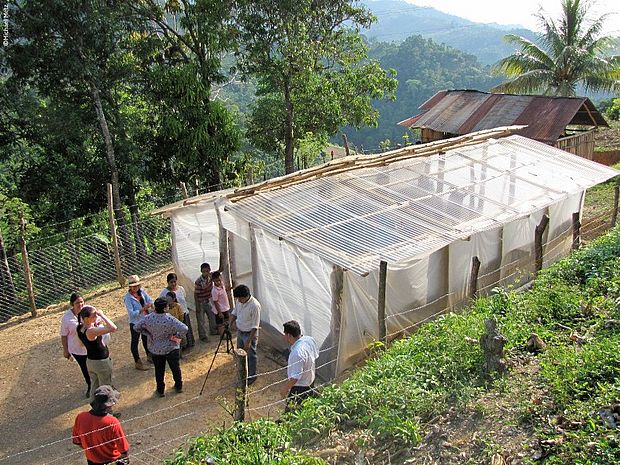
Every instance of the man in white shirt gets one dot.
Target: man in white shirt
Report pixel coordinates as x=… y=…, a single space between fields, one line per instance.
x=246 y=316
x=301 y=365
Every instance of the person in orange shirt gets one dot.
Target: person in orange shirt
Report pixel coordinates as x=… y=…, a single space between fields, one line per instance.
x=99 y=433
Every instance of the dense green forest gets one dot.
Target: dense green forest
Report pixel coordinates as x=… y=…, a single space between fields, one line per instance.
x=422 y=67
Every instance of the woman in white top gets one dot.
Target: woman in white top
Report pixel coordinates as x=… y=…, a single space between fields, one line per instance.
x=72 y=347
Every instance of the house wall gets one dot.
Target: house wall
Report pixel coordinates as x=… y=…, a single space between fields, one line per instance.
x=429 y=135
x=581 y=144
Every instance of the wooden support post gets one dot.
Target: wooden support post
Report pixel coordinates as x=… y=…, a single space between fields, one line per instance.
x=224 y=264
x=184 y=190
x=337 y=287
x=576 y=231
x=614 y=213
x=117 y=255
x=254 y=261
x=242 y=384
x=538 y=248
x=27 y=273
x=472 y=288
x=346 y=144
x=381 y=302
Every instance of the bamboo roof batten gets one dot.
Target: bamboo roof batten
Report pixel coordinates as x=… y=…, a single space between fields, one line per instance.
x=367 y=161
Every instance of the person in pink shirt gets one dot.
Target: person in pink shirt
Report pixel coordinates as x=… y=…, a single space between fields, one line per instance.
x=221 y=305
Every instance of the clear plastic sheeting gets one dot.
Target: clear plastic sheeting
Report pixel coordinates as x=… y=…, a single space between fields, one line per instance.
x=311 y=250
x=409 y=208
x=292 y=284
x=195 y=240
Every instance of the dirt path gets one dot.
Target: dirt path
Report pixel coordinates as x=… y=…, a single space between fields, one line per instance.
x=41 y=392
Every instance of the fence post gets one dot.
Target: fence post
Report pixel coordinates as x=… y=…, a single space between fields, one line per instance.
x=472 y=289
x=184 y=190
x=614 y=214
x=381 y=301
x=6 y=278
x=538 y=249
x=242 y=384
x=346 y=144
x=576 y=231
x=27 y=274
x=117 y=255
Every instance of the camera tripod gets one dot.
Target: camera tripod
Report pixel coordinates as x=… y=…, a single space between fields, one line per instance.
x=226 y=335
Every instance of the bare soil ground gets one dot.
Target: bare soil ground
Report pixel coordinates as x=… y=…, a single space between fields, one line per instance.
x=41 y=392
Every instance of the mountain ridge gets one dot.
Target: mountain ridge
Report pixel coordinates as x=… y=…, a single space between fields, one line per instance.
x=398 y=20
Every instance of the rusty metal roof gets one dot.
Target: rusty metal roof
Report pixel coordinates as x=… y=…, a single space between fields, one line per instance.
x=463 y=111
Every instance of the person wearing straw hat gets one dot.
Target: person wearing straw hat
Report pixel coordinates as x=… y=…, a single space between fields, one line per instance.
x=138 y=304
x=99 y=433
x=301 y=368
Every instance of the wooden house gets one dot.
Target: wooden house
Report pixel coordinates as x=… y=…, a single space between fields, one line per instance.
x=567 y=123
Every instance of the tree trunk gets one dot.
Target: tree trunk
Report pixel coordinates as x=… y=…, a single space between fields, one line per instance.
x=116 y=196
x=7 y=286
x=289 y=140
x=138 y=236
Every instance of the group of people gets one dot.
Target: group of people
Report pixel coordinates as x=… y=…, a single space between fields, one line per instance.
x=165 y=329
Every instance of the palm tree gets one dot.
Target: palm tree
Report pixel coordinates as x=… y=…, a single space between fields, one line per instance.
x=571 y=52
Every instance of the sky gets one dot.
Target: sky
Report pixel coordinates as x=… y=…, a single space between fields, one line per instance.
x=520 y=11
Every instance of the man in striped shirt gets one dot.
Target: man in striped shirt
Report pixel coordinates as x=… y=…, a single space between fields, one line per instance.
x=202 y=297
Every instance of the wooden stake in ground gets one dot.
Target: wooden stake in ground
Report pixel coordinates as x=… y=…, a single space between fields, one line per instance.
x=242 y=384
x=27 y=273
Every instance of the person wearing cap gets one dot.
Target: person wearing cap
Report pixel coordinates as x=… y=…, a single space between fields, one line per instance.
x=138 y=304
x=99 y=433
x=246 y=317
x=164 y=333
x=181 y=295
x=72 y=347
x=94 y=330
x=301 y=365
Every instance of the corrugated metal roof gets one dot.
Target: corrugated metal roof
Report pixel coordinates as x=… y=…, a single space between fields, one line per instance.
x=464 y=111
x=414 y=206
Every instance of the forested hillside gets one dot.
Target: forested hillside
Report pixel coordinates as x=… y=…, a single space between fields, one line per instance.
x=423 y=67
x=398 y=20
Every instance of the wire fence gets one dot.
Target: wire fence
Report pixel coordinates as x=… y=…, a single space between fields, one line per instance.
x=82 y=264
